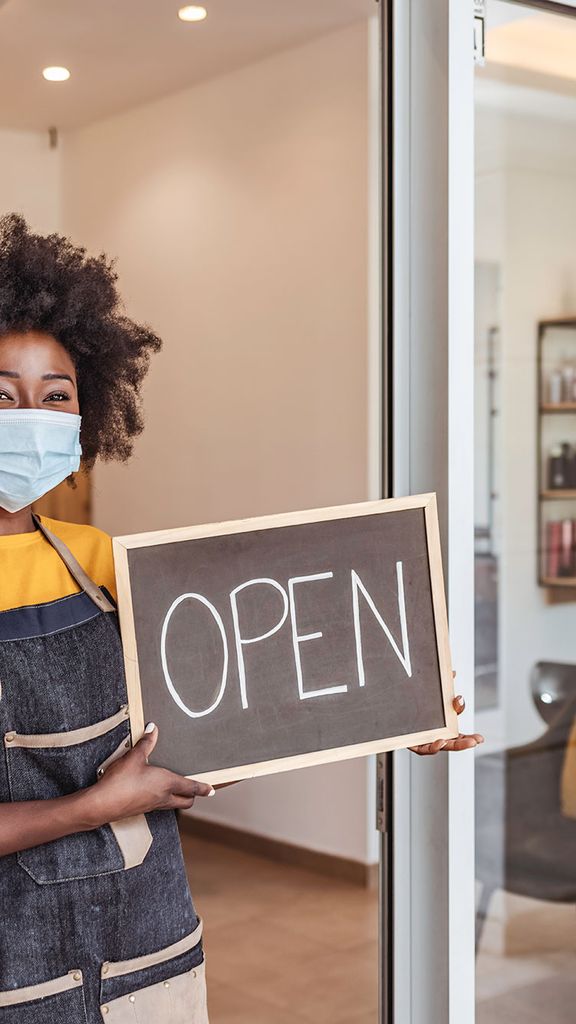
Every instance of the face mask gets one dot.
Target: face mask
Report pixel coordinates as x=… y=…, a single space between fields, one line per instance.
x=39 y=448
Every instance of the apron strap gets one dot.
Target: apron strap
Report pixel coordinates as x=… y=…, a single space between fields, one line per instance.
x=74 y=568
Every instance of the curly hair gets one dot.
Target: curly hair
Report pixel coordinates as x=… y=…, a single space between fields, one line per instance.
x=47 y=284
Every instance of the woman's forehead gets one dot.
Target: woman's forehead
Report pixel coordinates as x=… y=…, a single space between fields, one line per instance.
x=34 y=352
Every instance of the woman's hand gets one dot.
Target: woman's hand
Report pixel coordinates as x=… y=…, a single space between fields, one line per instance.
x=131 y=786
x=462 y=742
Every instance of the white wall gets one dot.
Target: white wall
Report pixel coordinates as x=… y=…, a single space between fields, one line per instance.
x=30 y=178
x=526 y=223
x=238 y=213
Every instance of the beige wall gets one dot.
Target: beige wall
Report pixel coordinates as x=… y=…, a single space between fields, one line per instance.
x=238 y=214
x=30 y=178
x=237 y=211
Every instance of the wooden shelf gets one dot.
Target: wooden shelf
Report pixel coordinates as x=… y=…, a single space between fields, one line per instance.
x=558 y=589
x=558 y=495
x=558 y=407
x=559 y=581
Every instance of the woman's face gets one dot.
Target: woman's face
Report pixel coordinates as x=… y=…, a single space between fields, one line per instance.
x=36 y=372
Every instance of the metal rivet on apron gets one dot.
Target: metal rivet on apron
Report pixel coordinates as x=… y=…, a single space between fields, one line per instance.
x=193 y=974
x=127 y=744
x=10 y=736
x=166 y=984
x=104 y=1009
x=100 y=772
x=126 y=710
x=132 y=999
x=77 y=976
x=105 y=969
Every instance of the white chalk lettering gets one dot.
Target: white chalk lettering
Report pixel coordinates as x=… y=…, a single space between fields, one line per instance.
x=241 y=641
x=297 y=640
x=174 y=693
x=404 y=654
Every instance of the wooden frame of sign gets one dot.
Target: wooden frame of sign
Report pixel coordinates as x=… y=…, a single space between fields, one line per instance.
x=123 y=546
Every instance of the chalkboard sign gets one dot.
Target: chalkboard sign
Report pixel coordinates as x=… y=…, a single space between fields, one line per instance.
x=288 y=640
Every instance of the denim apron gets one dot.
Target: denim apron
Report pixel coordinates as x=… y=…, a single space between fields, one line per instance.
x=99 y=925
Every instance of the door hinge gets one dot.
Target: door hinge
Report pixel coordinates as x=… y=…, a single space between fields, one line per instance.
x=480 y=32
x=381 y=792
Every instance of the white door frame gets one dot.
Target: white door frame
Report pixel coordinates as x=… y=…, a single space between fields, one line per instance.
x=433 y=443
x=433 y=282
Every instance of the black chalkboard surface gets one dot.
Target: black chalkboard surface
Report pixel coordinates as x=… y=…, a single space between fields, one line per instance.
x=283 y=641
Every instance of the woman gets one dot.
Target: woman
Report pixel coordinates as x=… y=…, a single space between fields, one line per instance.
x=98 y=922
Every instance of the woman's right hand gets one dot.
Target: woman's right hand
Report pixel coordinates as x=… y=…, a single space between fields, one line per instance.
x=131 y=786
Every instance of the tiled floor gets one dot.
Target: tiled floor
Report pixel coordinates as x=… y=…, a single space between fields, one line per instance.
x=534 y=980
x=288 y=946
x=283 y=945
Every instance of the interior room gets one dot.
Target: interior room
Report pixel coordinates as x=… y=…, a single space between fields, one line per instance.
x=227 y=159
x=525 y=348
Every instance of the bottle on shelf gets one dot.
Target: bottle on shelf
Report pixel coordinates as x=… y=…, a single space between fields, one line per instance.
x=569 y=457
x=555 y=387
x=557 y=469
x=568 y=380
x=561 y=383
x=560 y=549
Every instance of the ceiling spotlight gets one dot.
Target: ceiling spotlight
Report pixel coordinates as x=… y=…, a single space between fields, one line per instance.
x=192 y=13
x=56 y=74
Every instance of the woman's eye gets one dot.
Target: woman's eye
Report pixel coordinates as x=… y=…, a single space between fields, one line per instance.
x=57 y=396
x=5 y=397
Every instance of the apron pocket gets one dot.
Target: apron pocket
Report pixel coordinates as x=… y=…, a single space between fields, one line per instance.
x=168 y=985
x=51 y=1002
x=45 y=766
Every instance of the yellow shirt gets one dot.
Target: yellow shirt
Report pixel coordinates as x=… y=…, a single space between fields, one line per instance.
x=31 y=572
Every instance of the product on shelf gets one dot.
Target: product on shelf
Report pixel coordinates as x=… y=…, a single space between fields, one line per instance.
x=562 y=383
x=555 y=387
x=560 y=549
x=562 y=467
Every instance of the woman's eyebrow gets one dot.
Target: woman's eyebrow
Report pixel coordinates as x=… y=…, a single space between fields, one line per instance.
x=55 y=376
x=45 y=376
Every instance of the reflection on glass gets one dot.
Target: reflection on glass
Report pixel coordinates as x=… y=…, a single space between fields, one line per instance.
x=526 y=517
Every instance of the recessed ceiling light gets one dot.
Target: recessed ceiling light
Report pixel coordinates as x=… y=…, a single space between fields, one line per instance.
x=56 y=74
x=192 y=13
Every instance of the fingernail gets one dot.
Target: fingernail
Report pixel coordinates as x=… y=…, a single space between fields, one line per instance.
x=212 y=791
x=150 y=727
x=460 y=701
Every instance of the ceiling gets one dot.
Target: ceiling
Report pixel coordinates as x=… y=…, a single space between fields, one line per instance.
x=541 y=43
x=498 y=12
x=530 y=62
x=125 y=52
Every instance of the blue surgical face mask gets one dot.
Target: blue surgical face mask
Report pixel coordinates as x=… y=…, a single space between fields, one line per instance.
x=39 y=448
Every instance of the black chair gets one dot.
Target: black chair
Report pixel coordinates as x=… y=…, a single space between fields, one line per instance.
x=524 y=844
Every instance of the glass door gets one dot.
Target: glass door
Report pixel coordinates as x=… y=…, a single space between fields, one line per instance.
x=525 y=514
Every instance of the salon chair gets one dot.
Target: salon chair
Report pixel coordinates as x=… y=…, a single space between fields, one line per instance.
x=524 y=844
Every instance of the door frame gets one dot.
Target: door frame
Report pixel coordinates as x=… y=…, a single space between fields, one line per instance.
x=428 y=888
x=430 y=356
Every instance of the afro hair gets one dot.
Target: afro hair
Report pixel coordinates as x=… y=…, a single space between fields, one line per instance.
x=49 y=285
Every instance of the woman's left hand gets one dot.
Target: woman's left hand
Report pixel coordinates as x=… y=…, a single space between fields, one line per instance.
x=461 y=742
